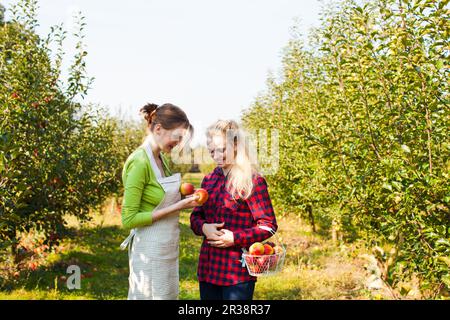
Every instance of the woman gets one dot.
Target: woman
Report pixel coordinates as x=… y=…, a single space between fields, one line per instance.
x=151 y=206
x=238 y=204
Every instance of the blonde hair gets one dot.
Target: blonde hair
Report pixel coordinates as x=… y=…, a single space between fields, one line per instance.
x=240 y=178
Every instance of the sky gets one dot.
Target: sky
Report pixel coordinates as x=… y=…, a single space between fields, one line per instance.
x=209 y=57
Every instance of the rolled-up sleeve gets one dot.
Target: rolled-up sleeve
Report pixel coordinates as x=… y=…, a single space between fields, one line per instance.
x=134 y=178
x=263 y=214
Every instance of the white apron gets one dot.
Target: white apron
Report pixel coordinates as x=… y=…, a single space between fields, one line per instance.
x=153 y=250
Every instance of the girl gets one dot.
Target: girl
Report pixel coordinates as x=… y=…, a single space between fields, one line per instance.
x=151 y=206
x=238 y=203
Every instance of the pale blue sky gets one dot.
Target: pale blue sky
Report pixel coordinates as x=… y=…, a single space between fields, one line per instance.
x=209 y=57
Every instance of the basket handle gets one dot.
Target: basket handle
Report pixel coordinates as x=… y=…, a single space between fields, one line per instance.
x=273 y=234
x=267 y=229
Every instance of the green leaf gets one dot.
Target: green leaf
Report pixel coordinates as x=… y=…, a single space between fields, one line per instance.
x=397 y=185
x=446 y=260
x=446 y=280
x=405 y=148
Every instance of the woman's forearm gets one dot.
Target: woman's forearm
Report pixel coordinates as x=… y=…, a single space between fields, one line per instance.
x=161 y=213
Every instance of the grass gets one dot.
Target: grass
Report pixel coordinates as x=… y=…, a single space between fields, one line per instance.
x=314 y=268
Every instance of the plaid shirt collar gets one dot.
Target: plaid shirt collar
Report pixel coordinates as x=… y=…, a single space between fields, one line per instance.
x=219 y=171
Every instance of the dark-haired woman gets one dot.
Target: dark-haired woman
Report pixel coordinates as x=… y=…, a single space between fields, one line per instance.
x=151 y=206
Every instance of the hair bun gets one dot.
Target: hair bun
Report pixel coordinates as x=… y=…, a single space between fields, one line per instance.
x=149 y=110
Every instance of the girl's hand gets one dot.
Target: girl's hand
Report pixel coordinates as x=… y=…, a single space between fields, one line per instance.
x=188 y=203
x=211 y=230
x=224 y=241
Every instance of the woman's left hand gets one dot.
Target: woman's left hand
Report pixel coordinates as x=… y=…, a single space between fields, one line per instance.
x=225 y=240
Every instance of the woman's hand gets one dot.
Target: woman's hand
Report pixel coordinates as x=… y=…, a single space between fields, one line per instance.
x=224 y=241
x=211 y=230
x=188 y=203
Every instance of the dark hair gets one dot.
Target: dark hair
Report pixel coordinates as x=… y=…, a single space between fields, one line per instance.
x=167 y=115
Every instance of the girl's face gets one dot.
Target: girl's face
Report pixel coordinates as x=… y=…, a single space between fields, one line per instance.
x=218 y=150
x=168 y=139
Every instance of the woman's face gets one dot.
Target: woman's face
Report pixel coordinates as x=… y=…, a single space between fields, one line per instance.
x=168 y=139
x=218 y=150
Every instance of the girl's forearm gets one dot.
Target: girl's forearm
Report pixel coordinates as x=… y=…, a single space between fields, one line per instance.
x=248 y=236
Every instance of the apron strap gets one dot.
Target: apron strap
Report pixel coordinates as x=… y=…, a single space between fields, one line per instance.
x=127 y=241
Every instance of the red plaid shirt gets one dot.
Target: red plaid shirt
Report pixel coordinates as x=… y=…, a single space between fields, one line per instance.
x=222 y=266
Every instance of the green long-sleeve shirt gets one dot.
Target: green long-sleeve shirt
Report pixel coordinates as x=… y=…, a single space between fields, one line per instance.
x=142 y=192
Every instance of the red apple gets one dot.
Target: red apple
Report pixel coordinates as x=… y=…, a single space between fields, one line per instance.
x=268 y=249
x=187 y=189
x=256 y=249
x=270 y=243
x=202 y=196
x=53 y=236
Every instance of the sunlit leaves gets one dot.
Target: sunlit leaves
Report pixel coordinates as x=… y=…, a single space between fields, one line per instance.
x=364 y=130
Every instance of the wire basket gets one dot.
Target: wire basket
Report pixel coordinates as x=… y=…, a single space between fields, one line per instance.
x=264 y=265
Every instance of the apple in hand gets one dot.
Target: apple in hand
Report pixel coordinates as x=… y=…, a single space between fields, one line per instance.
x=202 y=195
x=256 y=249
x=187 y=189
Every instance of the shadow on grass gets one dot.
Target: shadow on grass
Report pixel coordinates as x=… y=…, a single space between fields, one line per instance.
x=104 y=267
x=189 y=252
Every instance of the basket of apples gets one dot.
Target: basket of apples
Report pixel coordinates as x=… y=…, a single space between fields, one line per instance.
x=188 y=189
x=264 y=258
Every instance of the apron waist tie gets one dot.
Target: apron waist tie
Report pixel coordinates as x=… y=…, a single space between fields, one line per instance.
x=125 y=243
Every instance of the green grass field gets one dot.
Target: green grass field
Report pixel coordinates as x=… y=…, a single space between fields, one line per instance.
x=314 y=268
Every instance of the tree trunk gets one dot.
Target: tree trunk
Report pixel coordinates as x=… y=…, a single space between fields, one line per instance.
x=335 y=231
x=311 y=218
